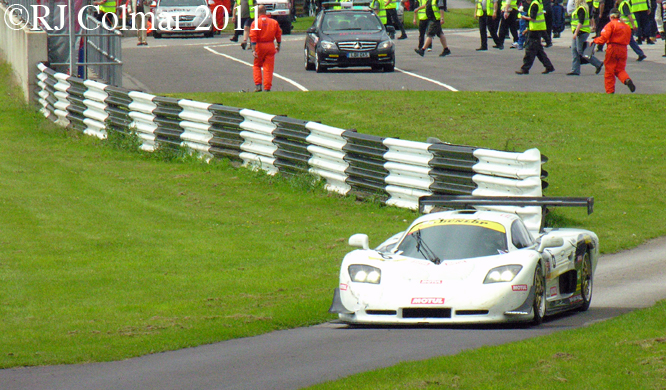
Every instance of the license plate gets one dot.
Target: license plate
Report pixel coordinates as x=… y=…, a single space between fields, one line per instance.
x=359 y=55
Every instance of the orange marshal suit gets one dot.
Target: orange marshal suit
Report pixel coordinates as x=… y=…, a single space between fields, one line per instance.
x=264 y=32
x=617 y=34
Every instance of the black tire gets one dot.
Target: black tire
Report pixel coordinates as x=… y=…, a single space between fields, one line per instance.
x=389 y=68
x=308 y=65
x=539 y=305
x=586 y=282
x=286 y=28
x=157 y=35
x=319 y=68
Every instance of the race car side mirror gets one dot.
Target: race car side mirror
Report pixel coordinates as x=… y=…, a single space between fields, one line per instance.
x=359 y=240
x=311 y=30
x=550 y=242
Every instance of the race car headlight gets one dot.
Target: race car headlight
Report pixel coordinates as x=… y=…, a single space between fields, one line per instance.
x=365 y=274
x=385 y=45
x=327 y=45
x=505 y=273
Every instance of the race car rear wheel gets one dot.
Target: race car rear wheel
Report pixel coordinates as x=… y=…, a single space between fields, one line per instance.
x=586 y=282
x=539 y=305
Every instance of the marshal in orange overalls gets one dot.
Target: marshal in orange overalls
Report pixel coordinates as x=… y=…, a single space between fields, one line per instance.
x=617 y=34
x=263 y=33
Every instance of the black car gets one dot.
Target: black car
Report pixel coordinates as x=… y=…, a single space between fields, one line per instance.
x=348 y=38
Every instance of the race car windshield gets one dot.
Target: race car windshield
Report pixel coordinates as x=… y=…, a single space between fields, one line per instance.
x=454 y=241
x=181 y=3
x=336 y=22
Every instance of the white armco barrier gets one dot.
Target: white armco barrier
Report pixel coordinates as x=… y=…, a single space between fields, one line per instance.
x=508 y=164
x=258 y=147
x=409 y=172
x=95 y=113
x=327 y=159
x=196 y=128
x=61 y=94
x=43 y=94
x=141 y=112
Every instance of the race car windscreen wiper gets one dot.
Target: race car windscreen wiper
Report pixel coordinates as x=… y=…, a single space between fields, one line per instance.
x=424 y=249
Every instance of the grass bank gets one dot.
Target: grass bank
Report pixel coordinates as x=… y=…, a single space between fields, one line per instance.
x=108 y=254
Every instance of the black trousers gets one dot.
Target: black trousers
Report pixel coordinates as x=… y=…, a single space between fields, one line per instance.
x=508 y=24
x=643 y=20
x=423 y=28
x=487 y=24
x=393 y=20
x=549 y=27
x=534 y=49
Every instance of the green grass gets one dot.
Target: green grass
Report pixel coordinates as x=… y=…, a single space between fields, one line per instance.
x=628 y=352
x=594 y=148
x=108 y=254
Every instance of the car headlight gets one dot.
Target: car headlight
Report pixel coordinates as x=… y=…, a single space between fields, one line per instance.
x=365 y=274
x=327 y=45
x=505 y=273
x=385 y=45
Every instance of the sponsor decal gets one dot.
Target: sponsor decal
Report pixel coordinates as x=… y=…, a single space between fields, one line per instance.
x=431 y=282
x=553 y=291
x=458 y=221
x=519 y=287
x=343 y=287
x=427 y=301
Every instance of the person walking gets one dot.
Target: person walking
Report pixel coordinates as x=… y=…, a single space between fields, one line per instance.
x=244 y=10
x=535 y=31
x=580 y=26
x=624 y=6
x=484 y=13
x=616 y=35
x=140 y=18
x=508 y=22
x=435 y=12
x=264 y=33
x=392 y=17
x=423 y=25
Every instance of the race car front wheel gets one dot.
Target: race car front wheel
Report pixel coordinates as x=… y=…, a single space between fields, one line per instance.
x=539 y=305
x=586 y=282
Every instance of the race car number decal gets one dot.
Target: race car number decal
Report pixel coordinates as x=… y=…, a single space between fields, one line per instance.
x=519 y=287
x=431 y=282
x=427 y=301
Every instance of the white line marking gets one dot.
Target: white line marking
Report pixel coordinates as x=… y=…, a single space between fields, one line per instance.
x=292 y=82
x=450 y=88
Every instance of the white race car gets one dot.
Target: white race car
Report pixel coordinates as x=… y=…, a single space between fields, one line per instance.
x=466 y=266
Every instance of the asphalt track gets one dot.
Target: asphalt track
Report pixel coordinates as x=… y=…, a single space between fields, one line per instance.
x=179 y=64
x=297 y=358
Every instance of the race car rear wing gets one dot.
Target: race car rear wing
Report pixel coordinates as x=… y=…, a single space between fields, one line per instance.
x=427 y=203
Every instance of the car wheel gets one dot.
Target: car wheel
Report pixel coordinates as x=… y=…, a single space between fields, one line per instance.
x=389 y=68
x=586 y=282
x=539 y=305
x=157 y=35
x=286 y=28
x=318 y=66
x=209 y=34
x=308 y=65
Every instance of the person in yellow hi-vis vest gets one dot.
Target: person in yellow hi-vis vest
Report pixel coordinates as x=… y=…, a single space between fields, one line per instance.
x=641 y=11
x=535 y=31
x=106 y=8
x=484 y=13
x=392 y=16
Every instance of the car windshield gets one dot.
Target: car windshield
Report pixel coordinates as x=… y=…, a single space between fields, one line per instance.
x=182 y=3
x=345 y=21
x=454 y=239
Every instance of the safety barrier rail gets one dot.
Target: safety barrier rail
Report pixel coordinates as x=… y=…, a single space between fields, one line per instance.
x=398 y=172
